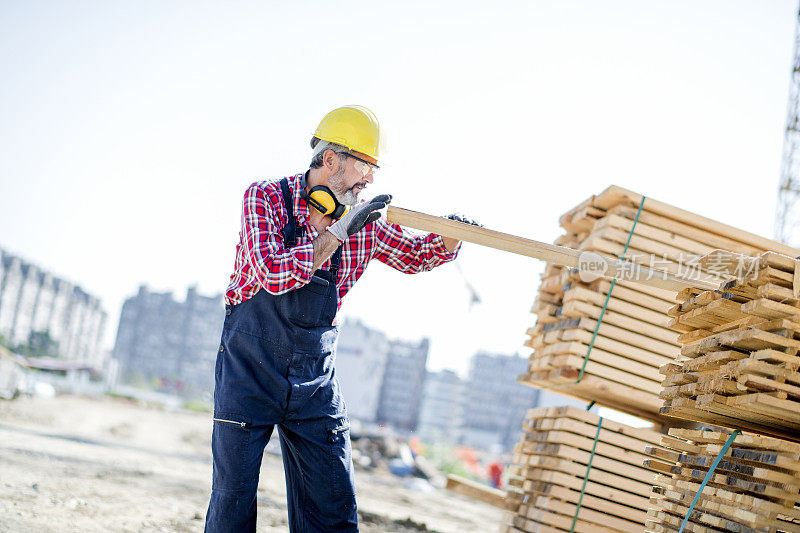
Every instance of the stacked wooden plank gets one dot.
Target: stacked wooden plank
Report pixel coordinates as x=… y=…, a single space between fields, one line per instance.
x=755 y=487
x=632 y=341
x=553 y=461
x=740 y=345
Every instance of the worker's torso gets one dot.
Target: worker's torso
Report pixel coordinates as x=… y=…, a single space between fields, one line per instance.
x=279 y=347
x=356 y=251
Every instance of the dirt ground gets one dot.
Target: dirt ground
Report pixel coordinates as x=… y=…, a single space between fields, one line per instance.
x=91 y=465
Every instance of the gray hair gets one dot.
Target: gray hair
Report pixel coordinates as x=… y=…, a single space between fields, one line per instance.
x=320 y=146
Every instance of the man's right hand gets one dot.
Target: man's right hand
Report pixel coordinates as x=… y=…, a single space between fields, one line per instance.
x=359 y=216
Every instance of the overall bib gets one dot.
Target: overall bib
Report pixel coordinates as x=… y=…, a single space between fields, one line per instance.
x=275 y=368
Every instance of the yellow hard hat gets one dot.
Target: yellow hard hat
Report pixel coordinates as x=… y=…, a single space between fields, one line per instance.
x=353 y=126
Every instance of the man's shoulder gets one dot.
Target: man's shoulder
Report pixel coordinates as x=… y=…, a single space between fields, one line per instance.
x=275 y=183
x=267 y=185
x=271 y=187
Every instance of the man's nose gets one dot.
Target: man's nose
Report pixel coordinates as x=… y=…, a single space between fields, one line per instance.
x=369 y=178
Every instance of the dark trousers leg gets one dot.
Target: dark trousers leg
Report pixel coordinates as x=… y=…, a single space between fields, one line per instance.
x=319 y=477
x=237 y=452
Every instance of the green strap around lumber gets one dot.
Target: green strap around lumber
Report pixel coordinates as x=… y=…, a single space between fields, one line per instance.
x=605 y=305
x=710 y=473
x=586 y=477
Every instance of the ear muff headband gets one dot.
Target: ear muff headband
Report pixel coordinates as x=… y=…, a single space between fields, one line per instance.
x=322 y=199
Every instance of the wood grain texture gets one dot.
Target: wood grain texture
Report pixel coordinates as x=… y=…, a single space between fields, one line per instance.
x=551 y=253
x=549 y=471
x=476 y=491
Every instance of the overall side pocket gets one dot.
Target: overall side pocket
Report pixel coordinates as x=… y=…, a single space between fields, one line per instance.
x=341 y=465
x=231 y=446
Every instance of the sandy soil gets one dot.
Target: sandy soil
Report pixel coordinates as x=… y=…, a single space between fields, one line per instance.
x=90 y=465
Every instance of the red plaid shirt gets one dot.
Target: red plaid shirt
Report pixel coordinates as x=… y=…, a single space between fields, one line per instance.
x=262 y=261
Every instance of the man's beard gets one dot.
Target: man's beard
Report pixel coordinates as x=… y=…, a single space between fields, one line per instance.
x=344 y=196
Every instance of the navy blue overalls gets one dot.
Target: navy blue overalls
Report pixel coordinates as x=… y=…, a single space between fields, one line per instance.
x=275 y=367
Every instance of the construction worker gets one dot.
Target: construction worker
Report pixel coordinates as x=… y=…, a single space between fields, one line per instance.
x=304 y=242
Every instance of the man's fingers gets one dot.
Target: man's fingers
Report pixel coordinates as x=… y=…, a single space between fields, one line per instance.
x=384 y=198
x=461 y=218
x=369 y=207
x=370 y=213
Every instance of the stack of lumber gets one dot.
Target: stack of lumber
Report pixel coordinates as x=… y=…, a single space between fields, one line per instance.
x=739 y=356
x=755 y=487
x=550 y=468
x=633 y=341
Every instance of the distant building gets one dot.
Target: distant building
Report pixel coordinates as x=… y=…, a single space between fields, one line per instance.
x=167 y=344
x=440 y=413
x=494 y=403
x=403 y=382
x=361 y=357
x=41 y=314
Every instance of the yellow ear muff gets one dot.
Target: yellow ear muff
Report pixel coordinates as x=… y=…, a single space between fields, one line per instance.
x=322 y=199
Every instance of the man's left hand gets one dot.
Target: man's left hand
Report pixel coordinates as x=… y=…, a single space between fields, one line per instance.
x=461 y=218
x=451 y=243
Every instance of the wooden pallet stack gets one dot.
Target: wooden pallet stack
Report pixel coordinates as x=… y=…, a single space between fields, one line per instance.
x=738 y=368
x=739 y=356
x=755 y=487
x=632 y=341
x=553 y=461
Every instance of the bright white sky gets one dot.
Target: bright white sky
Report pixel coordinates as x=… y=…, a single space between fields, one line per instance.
x=130 y=130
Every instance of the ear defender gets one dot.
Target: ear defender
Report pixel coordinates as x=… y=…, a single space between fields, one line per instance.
x=322 y=199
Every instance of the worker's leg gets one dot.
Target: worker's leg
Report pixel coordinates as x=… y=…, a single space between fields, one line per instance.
x=249 y=394
x=319 y=477
x=237 y=448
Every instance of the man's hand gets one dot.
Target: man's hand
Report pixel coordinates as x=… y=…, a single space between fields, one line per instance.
x=324 y=246
x=461 y=218
x=451 y=243
x=359 y=216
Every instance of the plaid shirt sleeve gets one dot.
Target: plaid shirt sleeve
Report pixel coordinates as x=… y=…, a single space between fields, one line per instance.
x=407 y=252
x=277 y=269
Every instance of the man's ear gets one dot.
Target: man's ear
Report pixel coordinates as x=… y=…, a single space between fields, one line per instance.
x=330 y=159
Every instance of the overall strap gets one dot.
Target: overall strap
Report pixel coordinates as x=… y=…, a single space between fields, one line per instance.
x=336 y=260
x=290 y=229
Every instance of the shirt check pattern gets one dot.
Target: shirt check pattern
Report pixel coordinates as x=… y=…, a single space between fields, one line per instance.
x=262 y=260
